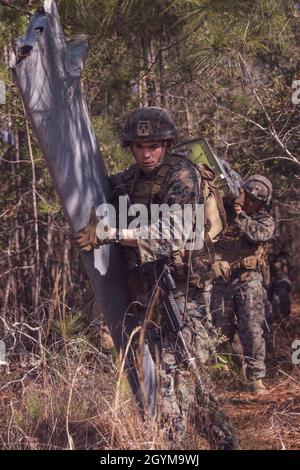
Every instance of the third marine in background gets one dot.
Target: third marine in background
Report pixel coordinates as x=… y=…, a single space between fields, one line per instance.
x=239 y=305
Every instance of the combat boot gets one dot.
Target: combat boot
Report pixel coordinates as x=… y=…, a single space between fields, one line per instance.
x=257 y=387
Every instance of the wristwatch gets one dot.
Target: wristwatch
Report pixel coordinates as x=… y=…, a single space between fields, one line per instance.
x=118 y=237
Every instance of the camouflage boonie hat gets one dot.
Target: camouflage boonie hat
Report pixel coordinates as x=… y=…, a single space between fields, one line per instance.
x=259 y=187
x=149 y=123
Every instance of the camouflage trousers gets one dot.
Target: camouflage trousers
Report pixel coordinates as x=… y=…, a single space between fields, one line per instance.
x=239 y=306
x=185 y=392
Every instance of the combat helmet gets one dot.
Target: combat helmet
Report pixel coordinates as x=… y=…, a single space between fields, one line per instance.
x=259 y=187
x=149 y=123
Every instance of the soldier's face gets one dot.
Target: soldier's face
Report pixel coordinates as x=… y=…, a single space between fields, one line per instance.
x=147 y=154
x=251 y=205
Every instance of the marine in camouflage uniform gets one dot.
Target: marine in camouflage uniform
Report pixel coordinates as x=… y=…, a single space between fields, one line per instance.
x=169 y=180
x=239 y=305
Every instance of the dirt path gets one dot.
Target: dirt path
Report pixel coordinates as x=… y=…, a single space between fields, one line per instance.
x=271 y=421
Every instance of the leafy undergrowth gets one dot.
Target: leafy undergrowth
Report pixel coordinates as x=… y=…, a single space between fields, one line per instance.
x=71 y=396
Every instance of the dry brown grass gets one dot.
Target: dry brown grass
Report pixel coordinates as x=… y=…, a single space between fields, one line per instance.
x=68 y=401
x=70 y=395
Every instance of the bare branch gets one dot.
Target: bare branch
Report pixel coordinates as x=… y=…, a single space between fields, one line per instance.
x=271 y=127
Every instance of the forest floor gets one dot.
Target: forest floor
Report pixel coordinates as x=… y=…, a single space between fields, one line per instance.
x=71 y=396
x=272 y=420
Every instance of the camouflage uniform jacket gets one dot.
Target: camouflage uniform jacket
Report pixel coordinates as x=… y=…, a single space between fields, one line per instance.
x=242 y=244
x=257 y=228
x=180 y=186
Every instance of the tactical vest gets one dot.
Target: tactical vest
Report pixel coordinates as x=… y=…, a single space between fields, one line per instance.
x=143 y=190
x=241 y=255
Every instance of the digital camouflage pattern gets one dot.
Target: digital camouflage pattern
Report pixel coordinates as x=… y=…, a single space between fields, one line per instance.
x=179 y=388
x=239 y=305
x=259 y=228
x=182 y=396
x=149 y=123
x=179 y=186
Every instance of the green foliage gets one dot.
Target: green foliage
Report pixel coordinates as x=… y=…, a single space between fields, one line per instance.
x=207 y=61
x=4 y=76
x=116 y=158
x=69 y=327
x=13 y=21
x=226 y=29
x=45 y=208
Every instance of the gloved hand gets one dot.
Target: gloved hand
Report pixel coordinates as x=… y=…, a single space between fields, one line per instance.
x=95 y=234
x=105 y=233
x=239 y=202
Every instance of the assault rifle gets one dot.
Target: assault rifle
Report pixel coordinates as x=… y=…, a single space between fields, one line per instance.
x=160 y=274
x=173 y=317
